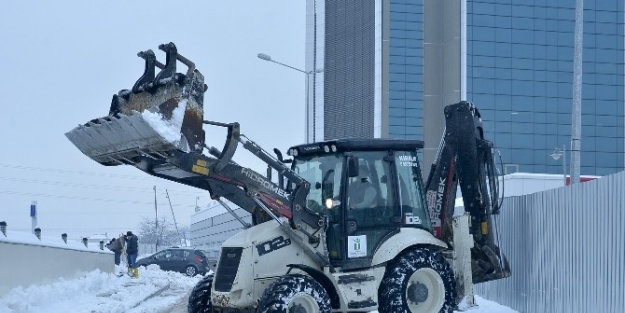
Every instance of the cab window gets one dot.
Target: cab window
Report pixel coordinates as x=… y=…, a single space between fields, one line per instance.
x=323 y=172
x=410 y=190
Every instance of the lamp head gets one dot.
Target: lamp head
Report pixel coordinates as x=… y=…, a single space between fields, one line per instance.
x=263 y=56
x=557 y=153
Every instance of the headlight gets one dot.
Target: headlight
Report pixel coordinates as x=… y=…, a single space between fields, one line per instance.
x=331 y=203
x=326 y=149
x=333 y=148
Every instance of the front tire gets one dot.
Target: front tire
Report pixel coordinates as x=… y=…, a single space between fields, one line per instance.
x=418 y=280
x=294 y=294
x=200 y=298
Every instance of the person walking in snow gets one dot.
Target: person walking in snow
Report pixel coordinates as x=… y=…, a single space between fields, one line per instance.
x=132 y=248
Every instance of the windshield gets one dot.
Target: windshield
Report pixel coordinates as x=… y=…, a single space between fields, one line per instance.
x=324 y=175
x=410 y=190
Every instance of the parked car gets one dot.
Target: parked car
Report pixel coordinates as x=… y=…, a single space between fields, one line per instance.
x=188 y=261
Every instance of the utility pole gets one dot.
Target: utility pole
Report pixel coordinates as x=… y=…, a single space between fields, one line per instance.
x=576 y=125
x=174 y=216
x=156 y=219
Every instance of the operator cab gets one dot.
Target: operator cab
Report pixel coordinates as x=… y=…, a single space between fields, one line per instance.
x=367 y=188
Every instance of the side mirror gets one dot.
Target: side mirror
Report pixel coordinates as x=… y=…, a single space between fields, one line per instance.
x=352 y=166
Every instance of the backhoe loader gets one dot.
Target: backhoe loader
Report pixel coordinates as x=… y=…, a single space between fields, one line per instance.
x=347 y=225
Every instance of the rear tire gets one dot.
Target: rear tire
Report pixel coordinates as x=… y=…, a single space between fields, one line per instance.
x=200 y=298
x=294 y=293
x=418 y=280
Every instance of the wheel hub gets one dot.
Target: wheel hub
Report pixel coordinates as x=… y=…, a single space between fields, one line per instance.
x=417 y=293
x=297 y=308
x=303 y=303
x=190 y=271
x=425 y=291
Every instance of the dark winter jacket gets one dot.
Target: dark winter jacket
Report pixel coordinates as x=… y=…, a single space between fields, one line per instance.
x=116 y=245
x=132 y=244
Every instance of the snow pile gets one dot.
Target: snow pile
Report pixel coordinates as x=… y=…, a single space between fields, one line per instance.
x=168 y=129
x=103 y=292
x=484 y=306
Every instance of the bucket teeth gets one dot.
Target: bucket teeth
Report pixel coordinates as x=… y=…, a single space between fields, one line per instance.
x=161 y=113
x=119 y=140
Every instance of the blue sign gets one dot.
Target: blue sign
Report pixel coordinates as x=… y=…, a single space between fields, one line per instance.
x=33 y=210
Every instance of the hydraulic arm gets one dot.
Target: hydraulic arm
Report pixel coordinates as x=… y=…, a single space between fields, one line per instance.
x=465 y=158
x=157 y=126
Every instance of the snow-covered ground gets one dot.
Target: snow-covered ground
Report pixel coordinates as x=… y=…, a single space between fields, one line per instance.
x=100 y=292
x=155 y=291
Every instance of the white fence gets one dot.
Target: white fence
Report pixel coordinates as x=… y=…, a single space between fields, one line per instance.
x=566 y=248
x=26 y=260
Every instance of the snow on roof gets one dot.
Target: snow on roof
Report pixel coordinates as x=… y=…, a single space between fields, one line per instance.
x=98 y=237
x=46 y=241
x=211 y=210
x=521 y=175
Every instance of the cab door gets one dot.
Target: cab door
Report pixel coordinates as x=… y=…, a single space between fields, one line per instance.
x=371 y=213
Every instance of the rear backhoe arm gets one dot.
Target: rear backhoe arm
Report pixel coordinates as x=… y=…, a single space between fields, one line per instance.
x=465 y=158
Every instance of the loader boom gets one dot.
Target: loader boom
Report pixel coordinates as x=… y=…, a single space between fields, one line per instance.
x=157 y=126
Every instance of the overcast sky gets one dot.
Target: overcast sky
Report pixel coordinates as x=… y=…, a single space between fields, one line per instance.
x=63 y=60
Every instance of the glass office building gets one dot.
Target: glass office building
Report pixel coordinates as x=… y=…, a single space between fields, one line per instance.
x=519 y=72
x=369 y=61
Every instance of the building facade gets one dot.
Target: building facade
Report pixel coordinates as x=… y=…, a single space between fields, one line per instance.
x=515 y=64
x=210 y=227
x=520 y=72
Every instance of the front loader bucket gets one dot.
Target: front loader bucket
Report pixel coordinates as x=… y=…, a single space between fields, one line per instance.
x=159 y=114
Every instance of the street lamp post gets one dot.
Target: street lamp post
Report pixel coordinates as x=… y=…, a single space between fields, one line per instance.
x=557 y=153
x=267 y=57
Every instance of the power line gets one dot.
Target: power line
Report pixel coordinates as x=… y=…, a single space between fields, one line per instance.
x=18 y=193
x=40 y=169
x=90 y=174
x=106 y=187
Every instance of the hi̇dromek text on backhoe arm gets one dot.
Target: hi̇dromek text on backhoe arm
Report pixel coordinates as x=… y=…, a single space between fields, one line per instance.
x=465 y=158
